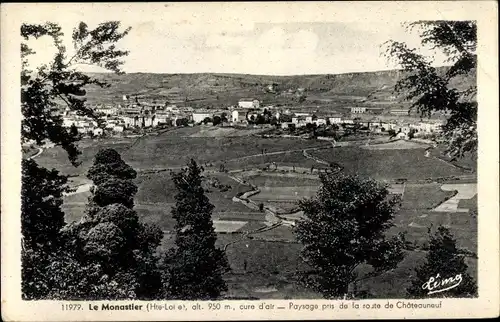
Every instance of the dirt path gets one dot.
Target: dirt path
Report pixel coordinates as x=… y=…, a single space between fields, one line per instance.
x=273 y=219
x=309 y=156
x=40 y=150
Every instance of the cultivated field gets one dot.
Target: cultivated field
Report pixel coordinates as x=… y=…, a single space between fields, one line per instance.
x=217 y=132
x=410 y=164
x=271 y=255
x=172 y=150
x=396 y=145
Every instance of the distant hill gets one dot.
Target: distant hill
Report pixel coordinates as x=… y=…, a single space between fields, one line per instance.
x=221 y=90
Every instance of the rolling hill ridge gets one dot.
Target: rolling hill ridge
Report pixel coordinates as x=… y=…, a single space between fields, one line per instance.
x=222 y=90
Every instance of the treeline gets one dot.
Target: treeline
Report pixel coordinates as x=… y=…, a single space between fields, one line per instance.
x=110 y=253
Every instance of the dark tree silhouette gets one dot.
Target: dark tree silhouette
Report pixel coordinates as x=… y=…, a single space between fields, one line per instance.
x=43 y=90
x=343 y=227
x=41 y=200
x=111 y=237
x=194 y=267
x=216 y=120
x=443 y=261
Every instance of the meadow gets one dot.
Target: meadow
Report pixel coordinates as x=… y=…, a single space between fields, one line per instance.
x=174 y=149
x=272 y=256
x=288 y=159
x=411 y=164
x=266 y=180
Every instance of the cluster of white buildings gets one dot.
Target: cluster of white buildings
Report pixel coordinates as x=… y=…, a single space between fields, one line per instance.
x=118 y=118
x=248 y=103
x=374 y=125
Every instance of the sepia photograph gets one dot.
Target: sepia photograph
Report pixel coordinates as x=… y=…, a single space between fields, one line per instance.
x=168 y=157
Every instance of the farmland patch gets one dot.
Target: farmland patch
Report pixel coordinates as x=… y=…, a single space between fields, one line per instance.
x=269 y=180
x=395 y=145
x=464 y=191
x=226 y=226
x=211 y=131
x=285 y=193
x=424 y=196
x=409 y=164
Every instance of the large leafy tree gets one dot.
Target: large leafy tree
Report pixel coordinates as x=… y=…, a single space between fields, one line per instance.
x=41 y=200
x=110 y=235
x=41 y=221
x=194 y=268
x=443 y=261
x=108 y=163
x=62 y=276
x=344 y=227
x=431 y=90
x=43 y=89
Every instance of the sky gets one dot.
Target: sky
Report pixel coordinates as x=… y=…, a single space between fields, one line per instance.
x=265 y=38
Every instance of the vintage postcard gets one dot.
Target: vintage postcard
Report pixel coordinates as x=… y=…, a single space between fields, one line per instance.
x=249 y=160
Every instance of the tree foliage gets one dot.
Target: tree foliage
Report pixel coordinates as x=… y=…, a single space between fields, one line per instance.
x=110 y=235
x=343 y=227
x=41 y=199
x=60 y=276
x=108 y=163
x=430 y=91
x=194 y=267
x=51 y=264
x=216 y=120
x=59 y=82
x=444 y=259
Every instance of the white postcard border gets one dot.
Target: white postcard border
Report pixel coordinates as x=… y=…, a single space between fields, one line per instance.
x=487 y=305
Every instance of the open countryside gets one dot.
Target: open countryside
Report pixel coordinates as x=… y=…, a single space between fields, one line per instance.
x=300 y=160
x=256 y=193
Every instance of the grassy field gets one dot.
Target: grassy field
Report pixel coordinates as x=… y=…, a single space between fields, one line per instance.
x=469 y=161
x=264 y=180
x=175 y=148
x=215 y=131
x=272 y=256
x=388 y=164
x=285 y=193
x=284 y=206
x=416 y=223
x=57 y=158
x=289 y=159
x=171 y=150
x=271 y=267
x=396 y=145
x=424 y=196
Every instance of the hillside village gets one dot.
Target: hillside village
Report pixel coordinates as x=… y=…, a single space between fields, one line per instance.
x=131 y=115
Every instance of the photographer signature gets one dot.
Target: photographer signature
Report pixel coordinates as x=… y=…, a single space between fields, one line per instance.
x=438 y=285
